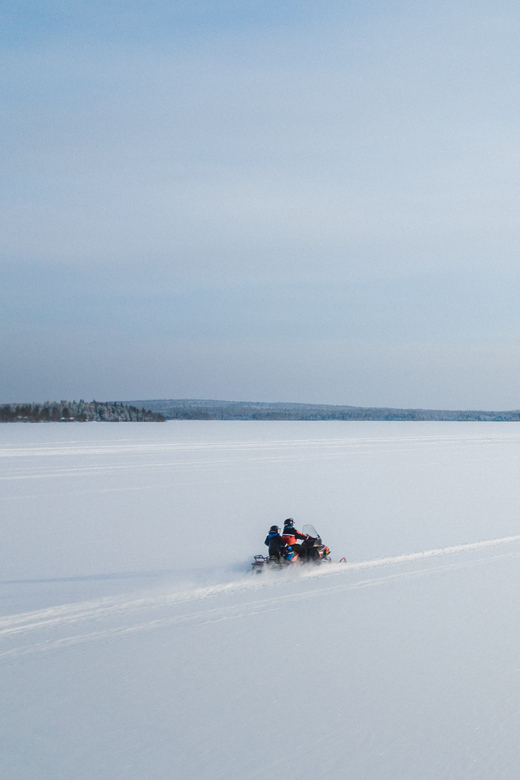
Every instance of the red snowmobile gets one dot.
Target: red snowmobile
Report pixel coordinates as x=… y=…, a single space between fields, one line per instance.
x=312 y=550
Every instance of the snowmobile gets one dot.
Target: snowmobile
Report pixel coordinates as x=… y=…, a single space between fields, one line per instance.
x=312 y=551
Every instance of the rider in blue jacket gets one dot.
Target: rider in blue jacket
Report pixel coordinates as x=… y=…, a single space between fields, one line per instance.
x=277 y=546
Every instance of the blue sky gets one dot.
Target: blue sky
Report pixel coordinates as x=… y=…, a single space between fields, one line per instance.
x=261 y=201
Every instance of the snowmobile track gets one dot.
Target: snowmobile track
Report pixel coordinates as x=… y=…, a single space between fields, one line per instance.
x=72 y=624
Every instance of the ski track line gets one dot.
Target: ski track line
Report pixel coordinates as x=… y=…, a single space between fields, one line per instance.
x=74 y=613
x=453 y=550
x=209 y=455
x=94 y=611
x=234 y=612
x=95 y=449
x=179 y=465
x=185 y=465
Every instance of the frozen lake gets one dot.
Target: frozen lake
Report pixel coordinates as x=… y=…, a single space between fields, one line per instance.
x=135 y=643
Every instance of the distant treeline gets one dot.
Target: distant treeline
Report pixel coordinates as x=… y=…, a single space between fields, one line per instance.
x=239 y=410
x=80 y=411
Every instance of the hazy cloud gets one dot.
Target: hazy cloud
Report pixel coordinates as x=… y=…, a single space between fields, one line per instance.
x=343 y=181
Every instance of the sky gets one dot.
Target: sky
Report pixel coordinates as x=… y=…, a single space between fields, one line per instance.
x=261 y=201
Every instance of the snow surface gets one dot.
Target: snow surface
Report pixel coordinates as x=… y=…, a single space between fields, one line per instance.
x=136 y=644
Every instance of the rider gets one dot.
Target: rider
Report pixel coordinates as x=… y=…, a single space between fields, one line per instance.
x=277 y=546
x=290 y=535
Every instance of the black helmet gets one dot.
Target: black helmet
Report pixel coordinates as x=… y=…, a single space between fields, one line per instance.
x=274 y=529
x=289 y=522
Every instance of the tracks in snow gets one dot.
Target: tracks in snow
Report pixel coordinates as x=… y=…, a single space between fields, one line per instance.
x=73 y=624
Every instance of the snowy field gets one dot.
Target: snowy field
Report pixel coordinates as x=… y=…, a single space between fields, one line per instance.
x=135 y=644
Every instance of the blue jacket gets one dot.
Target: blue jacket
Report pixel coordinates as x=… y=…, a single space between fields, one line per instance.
x=275 y=543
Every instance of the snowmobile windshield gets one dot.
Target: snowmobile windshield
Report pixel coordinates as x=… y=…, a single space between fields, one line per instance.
x=310 y=531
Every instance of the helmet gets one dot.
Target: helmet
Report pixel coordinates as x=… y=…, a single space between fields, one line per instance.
x=274 y=529
x=289 y=522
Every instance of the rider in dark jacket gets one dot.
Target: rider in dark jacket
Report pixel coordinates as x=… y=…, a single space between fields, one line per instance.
x=290 y=535
x=277 y=546
x=290 y=530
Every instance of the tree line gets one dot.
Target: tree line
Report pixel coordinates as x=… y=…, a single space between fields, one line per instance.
x=77 y=411
x=241 y=410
